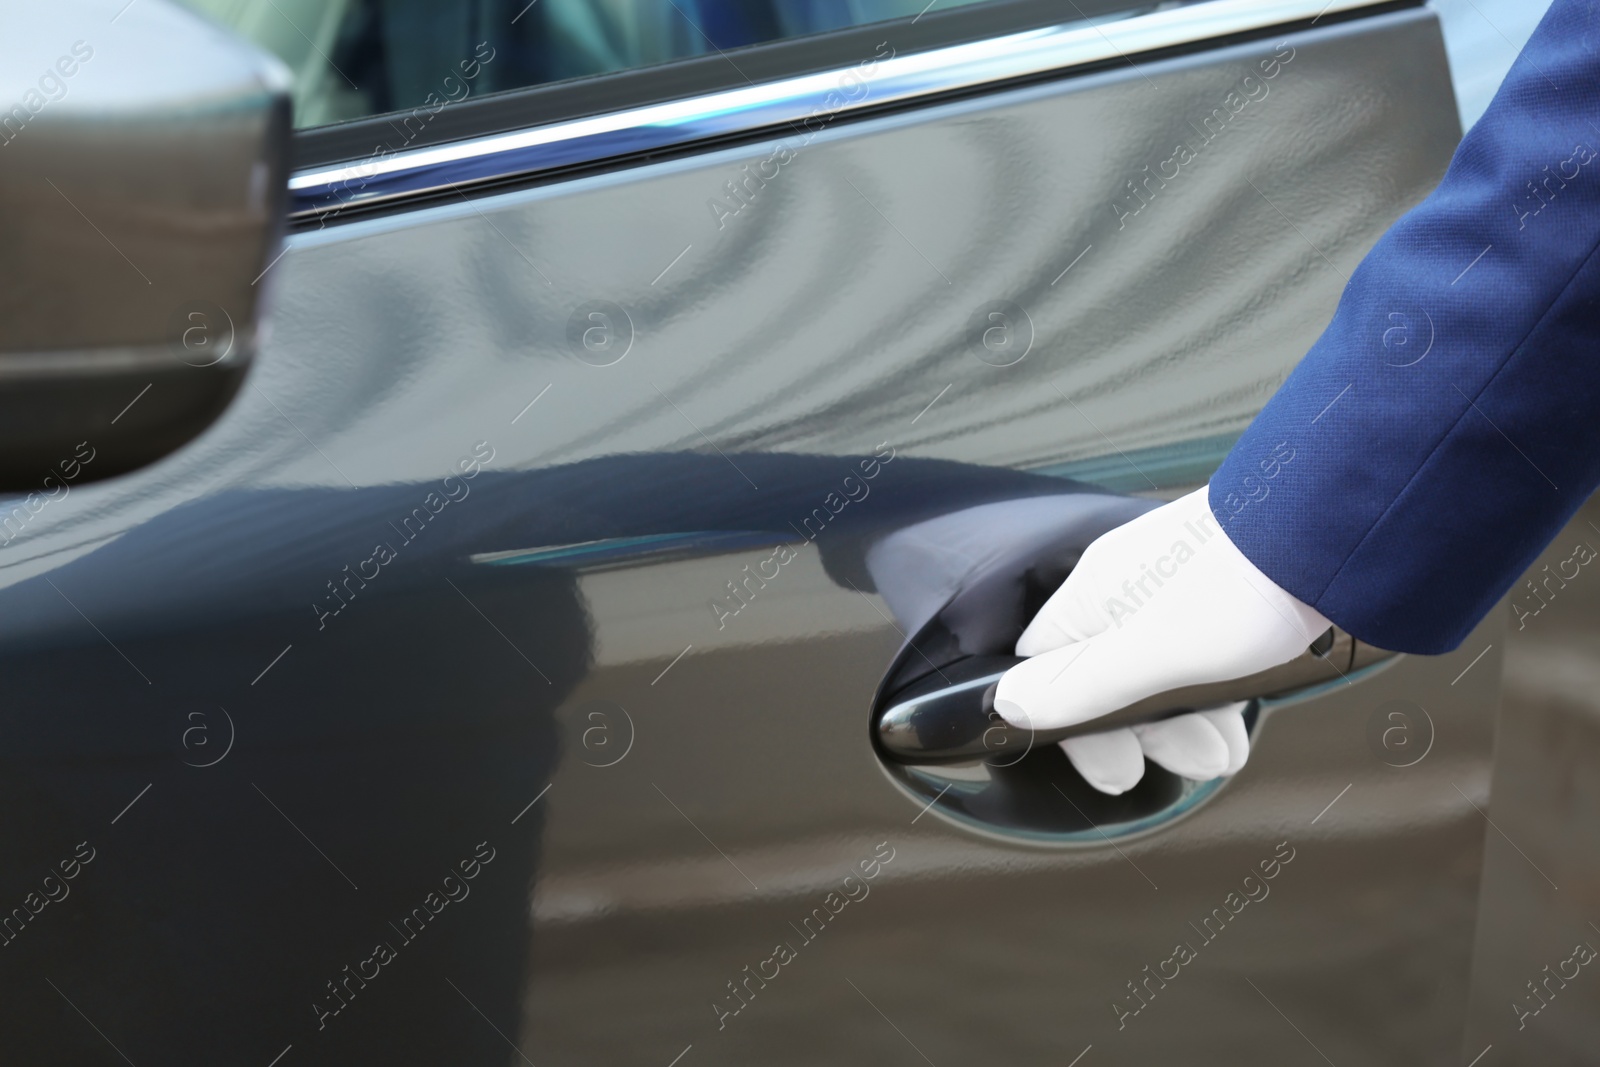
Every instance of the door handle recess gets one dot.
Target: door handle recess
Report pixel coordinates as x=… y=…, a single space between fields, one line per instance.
x=949 y=716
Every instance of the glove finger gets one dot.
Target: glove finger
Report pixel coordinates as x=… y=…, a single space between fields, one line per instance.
x=1043 y=634
x=1187 y=745
x=1112 y=762
x=1070 y=614
x=1067 y=617
x=1229 y=722
x=1082 y=680
x=1030 y=694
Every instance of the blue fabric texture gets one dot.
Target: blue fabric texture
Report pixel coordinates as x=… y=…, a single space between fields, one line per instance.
x=1447 y=423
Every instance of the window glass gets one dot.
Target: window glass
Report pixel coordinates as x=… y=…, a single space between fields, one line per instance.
x=357 y=58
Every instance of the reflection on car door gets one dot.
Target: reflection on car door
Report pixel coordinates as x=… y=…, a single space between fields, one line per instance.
x=531 y=580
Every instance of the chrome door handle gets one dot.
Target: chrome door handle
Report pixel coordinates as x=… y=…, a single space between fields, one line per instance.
x=949 y=716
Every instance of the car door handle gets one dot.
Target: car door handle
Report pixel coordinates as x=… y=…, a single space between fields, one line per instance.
x=949 y=716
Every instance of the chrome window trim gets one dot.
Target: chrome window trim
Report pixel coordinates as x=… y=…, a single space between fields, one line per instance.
x=324 y=191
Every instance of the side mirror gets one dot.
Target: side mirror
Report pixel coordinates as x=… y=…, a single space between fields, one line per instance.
x=143 y=174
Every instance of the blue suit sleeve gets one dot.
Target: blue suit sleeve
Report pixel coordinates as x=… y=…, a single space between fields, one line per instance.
x=1447 y=423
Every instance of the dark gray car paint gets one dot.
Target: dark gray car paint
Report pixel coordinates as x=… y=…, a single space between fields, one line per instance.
x=728 y=783
x=1534 y=1000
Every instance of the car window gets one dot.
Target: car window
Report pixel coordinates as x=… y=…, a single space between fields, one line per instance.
x=1483 y=38
x=358 y=58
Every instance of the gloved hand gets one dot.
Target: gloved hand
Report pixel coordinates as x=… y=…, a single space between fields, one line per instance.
x=1161 y=602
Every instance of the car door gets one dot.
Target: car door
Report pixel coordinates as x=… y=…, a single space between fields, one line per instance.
x=495 y=680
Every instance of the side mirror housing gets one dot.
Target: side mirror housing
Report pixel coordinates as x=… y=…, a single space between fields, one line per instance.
x=144 y=158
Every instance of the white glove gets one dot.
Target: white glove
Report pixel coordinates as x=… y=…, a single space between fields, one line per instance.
x=1162 y=602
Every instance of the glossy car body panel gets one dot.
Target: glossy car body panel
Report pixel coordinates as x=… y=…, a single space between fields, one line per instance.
x=711 y=778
